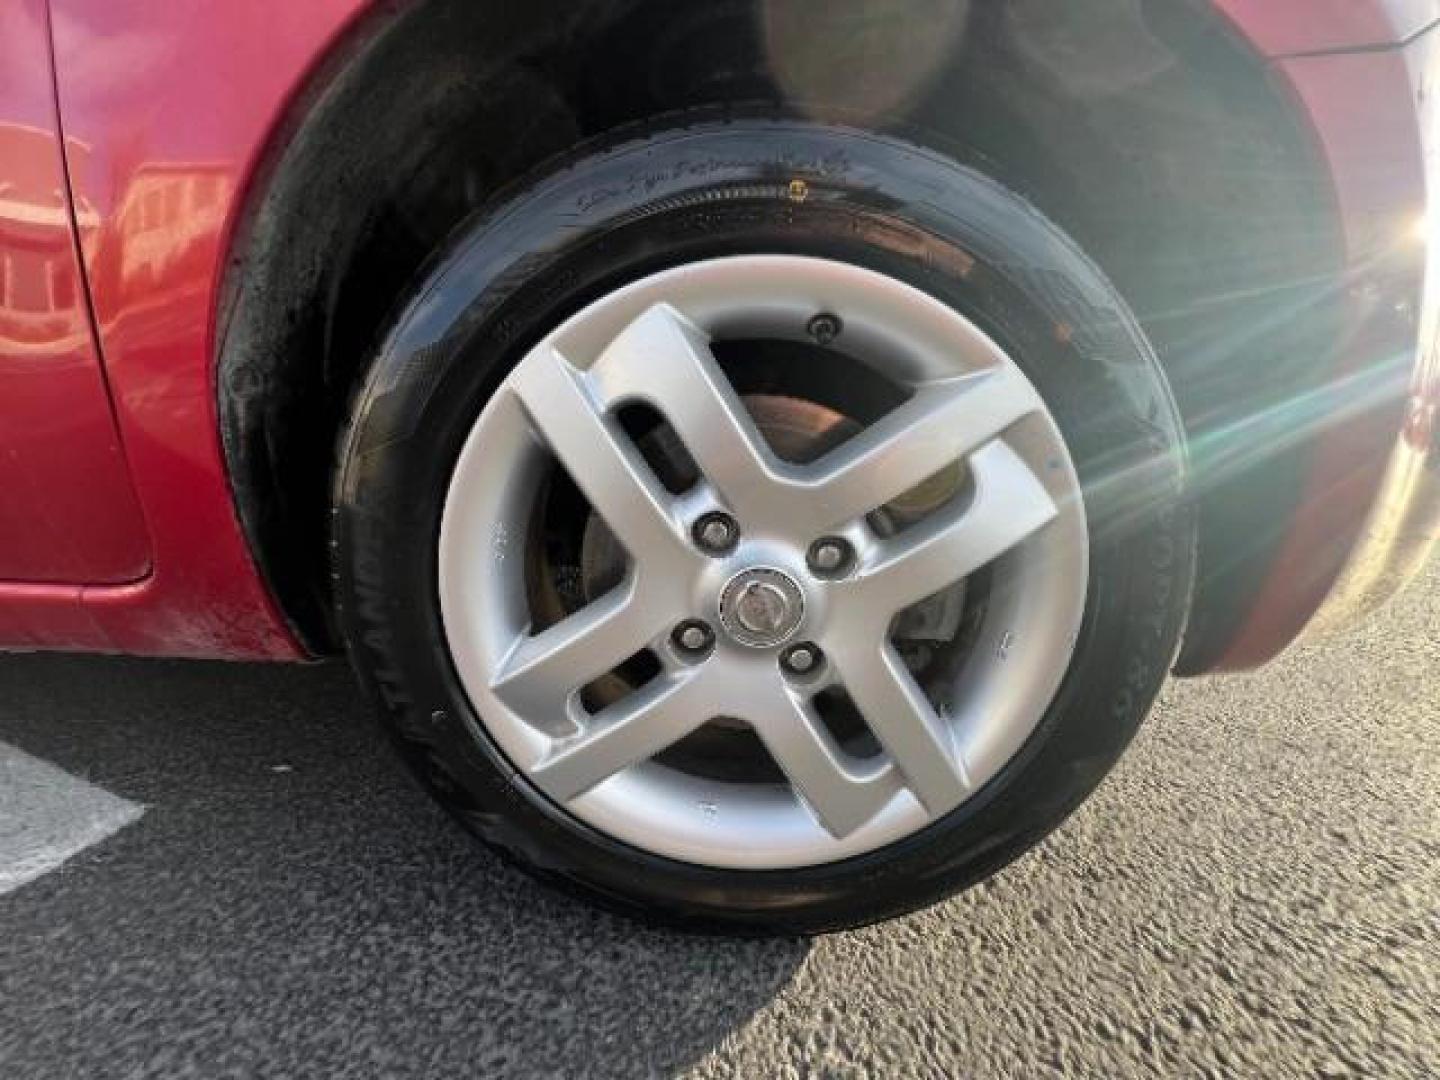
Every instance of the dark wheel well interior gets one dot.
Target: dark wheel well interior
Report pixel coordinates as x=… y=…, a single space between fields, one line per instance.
x=1143 y=128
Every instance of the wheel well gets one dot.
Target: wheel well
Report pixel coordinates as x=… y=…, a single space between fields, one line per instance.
x=1156 y=140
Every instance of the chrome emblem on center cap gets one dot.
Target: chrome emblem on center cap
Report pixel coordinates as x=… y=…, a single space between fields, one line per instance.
x=761 y=607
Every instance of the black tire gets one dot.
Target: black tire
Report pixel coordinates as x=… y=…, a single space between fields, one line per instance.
x=677 y=193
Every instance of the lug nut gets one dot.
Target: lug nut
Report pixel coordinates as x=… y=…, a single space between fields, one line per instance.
x=716 y=533
x=693 y=636
x=824 y=327
x=829 y=555
x=801 y=659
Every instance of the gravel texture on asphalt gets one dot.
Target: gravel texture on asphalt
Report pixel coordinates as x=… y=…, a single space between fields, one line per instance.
x=1254 y=892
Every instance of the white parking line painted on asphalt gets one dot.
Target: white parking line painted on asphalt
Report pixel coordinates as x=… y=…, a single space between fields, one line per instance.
x=48 y=816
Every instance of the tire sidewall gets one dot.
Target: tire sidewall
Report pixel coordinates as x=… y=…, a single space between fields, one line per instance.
x=615 y=213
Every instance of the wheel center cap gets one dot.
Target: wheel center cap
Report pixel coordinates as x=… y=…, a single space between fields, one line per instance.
x=761 y=607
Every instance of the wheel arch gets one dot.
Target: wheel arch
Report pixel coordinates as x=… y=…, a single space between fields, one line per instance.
x=1138 y=151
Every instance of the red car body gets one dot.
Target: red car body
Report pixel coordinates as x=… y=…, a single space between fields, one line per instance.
x=134 y=136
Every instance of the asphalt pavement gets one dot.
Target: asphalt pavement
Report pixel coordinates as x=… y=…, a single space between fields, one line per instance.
x=259 y=891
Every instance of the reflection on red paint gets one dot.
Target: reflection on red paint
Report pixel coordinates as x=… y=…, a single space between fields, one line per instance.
x=176 y=106
x=67 y=510
x=41 y=306
x=155 y=240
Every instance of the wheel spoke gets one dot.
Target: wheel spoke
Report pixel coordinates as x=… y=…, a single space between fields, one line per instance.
x=841 y=797
x=942 y=423
x=543 y=670
x=632 y=730
x=600 y=459
x=1009 y=505
x=902 y=718
x=662 y=358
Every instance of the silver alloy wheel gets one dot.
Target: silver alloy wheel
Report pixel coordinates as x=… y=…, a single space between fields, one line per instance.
x=1022 y=519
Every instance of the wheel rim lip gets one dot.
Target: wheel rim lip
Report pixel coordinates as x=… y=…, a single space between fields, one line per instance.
x=1042 y=581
